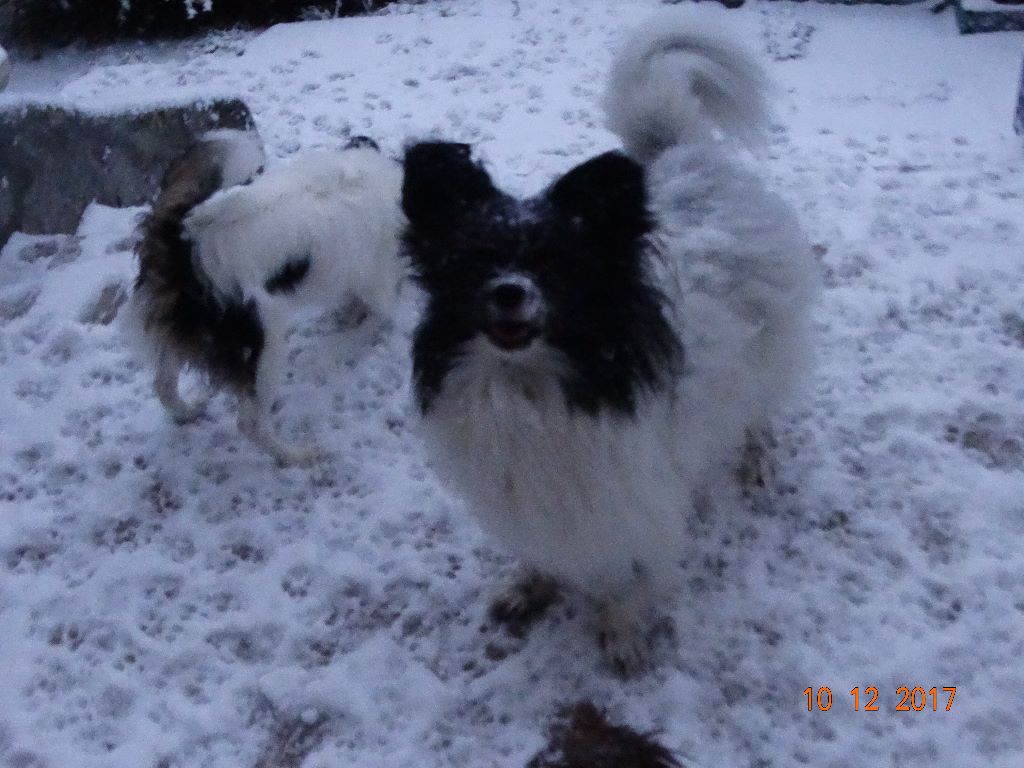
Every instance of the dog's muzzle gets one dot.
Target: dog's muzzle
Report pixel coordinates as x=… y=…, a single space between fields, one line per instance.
x=513 y=312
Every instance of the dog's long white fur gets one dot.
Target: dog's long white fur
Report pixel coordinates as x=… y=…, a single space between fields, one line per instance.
x=602 y=501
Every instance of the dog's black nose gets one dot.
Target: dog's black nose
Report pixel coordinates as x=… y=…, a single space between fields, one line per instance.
x=507 y=296
x=513 y=312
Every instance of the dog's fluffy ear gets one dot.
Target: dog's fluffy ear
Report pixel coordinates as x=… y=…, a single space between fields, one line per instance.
x=442 y=184
x=605 y=196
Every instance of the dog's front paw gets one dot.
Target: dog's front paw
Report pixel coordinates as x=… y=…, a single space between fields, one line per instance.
x=182 y=413
x=302 y=456
x=525 y=601
x=624 y=636
x=757 y=470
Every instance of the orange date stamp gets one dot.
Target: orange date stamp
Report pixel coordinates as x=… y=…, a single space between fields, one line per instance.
x=908 y=699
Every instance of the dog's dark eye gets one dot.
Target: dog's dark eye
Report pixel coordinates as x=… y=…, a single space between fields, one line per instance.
x=545 y=260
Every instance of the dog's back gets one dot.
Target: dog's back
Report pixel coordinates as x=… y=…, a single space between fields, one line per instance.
x=314 y=230
x=686 y=102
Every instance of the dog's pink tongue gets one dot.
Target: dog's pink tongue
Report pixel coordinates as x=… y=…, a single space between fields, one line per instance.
x=511 y=335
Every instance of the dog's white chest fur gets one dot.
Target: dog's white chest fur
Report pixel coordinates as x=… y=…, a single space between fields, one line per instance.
x=598 y=500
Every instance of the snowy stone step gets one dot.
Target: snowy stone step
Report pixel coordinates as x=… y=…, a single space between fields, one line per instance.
x=5 y=68
x=1018 y=118
x=55 y=159
x=989 y=16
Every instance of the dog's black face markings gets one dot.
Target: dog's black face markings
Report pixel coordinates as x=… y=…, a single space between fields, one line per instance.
x=287 y=278
x=480 y=254
x=441 y=188
x=362 y=142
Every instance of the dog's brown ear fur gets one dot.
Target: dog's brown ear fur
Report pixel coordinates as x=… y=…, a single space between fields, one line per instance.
x=582 y=737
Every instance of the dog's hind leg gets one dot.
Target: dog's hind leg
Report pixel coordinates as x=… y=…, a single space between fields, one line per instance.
x=255 y=406
x=165 y=384
x=756 y=473
x=624 y=630
x=254 y=423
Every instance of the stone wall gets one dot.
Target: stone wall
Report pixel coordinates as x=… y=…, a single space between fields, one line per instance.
x=6 y=21
x=982 y=16
x=1018 y=118
x=55 y=160
x=43 y=23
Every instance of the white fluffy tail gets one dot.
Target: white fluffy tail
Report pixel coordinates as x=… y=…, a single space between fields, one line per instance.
x=238 y=154
x=678 y=82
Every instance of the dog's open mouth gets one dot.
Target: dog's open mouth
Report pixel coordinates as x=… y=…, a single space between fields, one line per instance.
x=511 y=334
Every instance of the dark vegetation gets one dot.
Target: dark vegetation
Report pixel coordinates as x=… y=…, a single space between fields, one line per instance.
x=45 y=23
x=582 y=737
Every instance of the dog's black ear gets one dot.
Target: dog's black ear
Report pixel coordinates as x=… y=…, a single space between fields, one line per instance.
x=606 y=195
x=362 y=142
x=442 y=183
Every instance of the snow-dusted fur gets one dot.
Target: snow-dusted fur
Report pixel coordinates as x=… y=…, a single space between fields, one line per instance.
x=731 y=254
x=304 y=237
x=600 y=496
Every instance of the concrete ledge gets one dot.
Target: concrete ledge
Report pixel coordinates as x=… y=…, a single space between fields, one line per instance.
x=1018 y=117
x=5 y=68
x=56 y=159
x=987 y=16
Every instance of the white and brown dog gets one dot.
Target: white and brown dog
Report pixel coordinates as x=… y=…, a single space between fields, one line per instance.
x=230 y=256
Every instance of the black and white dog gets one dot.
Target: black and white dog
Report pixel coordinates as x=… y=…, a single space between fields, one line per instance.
x=593 y=358
x=230 y=256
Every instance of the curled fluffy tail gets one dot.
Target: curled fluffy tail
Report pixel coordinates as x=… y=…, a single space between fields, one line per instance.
x=678 y=82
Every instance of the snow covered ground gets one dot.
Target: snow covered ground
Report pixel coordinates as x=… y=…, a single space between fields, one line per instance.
x=170 y=599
